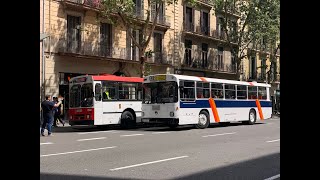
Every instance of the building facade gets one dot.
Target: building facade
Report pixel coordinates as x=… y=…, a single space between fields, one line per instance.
x=187 y=40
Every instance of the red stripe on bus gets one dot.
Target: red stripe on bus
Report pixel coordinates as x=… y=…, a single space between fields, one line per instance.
x=259 y=109
x=203 y=79
x=214 y=110
x=251 y=84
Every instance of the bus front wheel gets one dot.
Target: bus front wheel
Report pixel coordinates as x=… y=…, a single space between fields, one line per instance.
x=203 y=121
x=127 y=120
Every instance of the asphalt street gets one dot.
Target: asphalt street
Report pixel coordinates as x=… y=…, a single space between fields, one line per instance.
x=219 y=152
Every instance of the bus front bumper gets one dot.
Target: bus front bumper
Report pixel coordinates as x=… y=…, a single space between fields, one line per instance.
x=160 y=120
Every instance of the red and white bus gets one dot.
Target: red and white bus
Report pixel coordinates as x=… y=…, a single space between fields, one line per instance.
x=105 y=99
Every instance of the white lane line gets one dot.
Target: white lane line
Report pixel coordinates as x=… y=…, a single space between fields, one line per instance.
x=131 y=135
x=152 y=162
x=45 y=155
x=273 y=141
x=219 y=134
x=46 y=143
x=160 y=132
x=273 y=177
x=91 y=139
x=99 y=132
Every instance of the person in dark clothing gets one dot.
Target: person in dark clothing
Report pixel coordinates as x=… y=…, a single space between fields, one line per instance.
x=47 y=109
x=57 y=113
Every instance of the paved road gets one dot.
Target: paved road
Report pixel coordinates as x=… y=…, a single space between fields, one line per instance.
x=233 y=152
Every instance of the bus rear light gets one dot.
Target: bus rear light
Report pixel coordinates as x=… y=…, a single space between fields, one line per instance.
x=88 y=116
x=70 y=117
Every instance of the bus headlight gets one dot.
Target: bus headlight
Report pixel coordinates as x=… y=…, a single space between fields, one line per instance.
x=171 y=114
x=142 y=113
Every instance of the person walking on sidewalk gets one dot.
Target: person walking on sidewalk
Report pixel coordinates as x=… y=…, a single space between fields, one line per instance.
x=57 y=113
x=47 y=109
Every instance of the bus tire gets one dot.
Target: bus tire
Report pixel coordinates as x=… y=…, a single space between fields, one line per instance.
x=204 y=120
x=252 y=117
x=127 y=120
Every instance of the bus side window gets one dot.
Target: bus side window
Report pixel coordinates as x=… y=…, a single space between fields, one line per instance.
x=98 y=92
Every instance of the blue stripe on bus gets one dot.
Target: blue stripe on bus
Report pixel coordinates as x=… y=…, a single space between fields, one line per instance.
x=224 y=104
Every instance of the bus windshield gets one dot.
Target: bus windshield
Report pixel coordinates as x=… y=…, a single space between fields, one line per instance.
x=160 y=92
x=81 y=96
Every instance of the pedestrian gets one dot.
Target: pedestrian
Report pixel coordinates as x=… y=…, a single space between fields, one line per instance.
x=57 y=113
x=47 y=110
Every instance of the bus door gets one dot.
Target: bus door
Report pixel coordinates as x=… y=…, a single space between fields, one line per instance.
x=97 y=104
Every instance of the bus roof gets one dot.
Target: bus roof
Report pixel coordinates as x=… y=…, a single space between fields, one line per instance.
x=195 y=78
x=117 y=78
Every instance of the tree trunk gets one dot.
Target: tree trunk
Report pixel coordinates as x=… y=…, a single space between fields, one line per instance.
x=142 y=62
x=238 y=68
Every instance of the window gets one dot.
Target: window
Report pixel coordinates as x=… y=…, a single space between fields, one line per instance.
x=127 y=91
x=75 y=96
x=187 y=53
x=73 y=34
x=187 y=92
x=109 y=90
x=262 y=93
x=252 y=92
x=253 y=67
x=86 y=95
x=188 y=17
x=241 y=92
x=157 y=47
x=204 y=55
x=230 y=90
x=203 y=90
x=204 y=21
x=98 y=92
x=139 y=92
x=217 y=90
x=220 y=58
x=160 y=92
x=105 y=39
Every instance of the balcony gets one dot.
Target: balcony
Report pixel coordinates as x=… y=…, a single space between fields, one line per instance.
x=82 y=4
x=88 y=49
x=204 y=30
x=162 y=20
x=203 y=60
x=158 y=58
x=188 y=27
x=219 y=35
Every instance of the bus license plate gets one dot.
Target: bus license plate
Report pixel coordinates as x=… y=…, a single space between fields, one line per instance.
x=145 y=120
x=79 y=110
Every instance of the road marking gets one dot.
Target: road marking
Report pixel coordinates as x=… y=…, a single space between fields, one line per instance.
x=77 y=151
x=160 y=132
x=219 y=134
x=91 y=139
x=152 y=162
x=99 y=132
x=273 y=177
x=46 y=143
x=131 y=135
x=273 y=141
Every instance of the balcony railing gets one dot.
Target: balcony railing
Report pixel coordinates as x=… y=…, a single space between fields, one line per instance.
x=90 y=3
x=219 y=35
x=158 y=58
x=203 y=60
x=88 y=48
x=161 y=19
x=188 y=27
x=203 y=30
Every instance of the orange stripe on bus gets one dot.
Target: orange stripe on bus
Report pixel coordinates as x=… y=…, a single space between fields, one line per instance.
x=214 y=110
x=203 y=79
x=259 y=109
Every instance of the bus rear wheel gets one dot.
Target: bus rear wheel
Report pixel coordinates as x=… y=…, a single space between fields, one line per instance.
x=252 y=117
x=127 y=120
x=203 y=120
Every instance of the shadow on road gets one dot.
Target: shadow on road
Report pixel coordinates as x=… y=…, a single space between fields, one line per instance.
x=259 y=168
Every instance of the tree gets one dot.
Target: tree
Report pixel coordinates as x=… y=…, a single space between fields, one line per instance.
x=128 y=12
x=258 y=21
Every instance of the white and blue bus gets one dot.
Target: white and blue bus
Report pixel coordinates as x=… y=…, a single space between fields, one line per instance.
x=174 y=100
